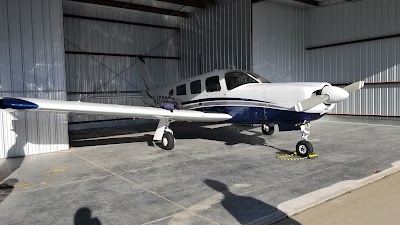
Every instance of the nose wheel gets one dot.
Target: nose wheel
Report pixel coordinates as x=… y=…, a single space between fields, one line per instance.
x=304 y=148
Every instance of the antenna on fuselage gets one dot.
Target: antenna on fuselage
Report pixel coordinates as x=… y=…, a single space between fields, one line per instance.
x=144 y=72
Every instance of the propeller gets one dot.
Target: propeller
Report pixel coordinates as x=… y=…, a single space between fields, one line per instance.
x=329 y=95
x=354 y=86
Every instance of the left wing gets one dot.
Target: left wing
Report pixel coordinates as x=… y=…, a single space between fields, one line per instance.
x=111 y=110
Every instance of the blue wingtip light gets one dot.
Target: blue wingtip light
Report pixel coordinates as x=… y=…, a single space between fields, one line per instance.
x=15 y=103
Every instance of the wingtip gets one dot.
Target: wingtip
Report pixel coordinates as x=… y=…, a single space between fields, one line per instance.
x=17 y=103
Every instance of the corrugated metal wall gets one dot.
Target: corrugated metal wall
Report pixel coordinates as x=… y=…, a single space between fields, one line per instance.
x=32 y=65
x=279 y=41
x=217 y=38
x=282 y=33
x=373 y=61
x=84 y=74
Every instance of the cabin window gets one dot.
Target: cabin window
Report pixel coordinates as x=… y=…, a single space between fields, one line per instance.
x=171 y=92
x=195 y=87
x=212 y=84
x=181 y=89
x=237 y=78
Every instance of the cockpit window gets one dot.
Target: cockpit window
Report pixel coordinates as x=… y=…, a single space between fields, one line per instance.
x=258 y=77
x=235 y=79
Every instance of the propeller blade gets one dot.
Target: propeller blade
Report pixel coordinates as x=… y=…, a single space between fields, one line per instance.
x=309 y=103
x=354 y=86
x=330 y=94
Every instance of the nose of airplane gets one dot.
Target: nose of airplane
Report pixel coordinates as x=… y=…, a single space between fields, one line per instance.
x=336 y=94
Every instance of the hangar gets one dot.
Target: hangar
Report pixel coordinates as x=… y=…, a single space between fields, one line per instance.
x=87 y=50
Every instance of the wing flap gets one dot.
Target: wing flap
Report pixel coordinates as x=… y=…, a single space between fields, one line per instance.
x=112 y=110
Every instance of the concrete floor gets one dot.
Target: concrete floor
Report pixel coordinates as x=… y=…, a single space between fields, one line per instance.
x=375 y=203
x=218 y=174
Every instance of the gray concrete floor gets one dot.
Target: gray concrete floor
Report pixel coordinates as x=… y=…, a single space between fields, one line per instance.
x=219 y=174
x=375 y=203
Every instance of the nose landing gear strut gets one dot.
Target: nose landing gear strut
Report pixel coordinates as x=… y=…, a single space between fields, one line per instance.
x=304 y=148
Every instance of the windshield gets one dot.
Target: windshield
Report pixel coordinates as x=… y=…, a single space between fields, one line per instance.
x=235 y=79
x=257 y=77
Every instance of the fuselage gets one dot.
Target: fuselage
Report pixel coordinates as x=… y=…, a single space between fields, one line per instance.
x=246 y=96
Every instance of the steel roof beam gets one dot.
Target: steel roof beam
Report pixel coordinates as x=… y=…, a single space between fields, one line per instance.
x=191 y=3
x=131 y=6
x=308 y=2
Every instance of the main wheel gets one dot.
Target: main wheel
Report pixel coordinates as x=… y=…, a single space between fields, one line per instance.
x=268 y=129
x=168 y=141
x=304 y=148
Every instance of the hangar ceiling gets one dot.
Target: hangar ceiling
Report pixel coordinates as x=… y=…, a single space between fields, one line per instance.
x=185 y=8
x=179 y=8
x=308 y=3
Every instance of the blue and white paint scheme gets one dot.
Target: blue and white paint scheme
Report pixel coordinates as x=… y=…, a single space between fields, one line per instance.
x=232 y=96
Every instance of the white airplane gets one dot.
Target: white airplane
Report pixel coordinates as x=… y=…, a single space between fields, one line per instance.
x=223 y=96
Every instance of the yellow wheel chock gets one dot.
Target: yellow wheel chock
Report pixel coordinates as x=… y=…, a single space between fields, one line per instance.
x=293 y=156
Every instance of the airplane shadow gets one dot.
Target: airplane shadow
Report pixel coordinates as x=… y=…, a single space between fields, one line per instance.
x=109 y=141
x=246 y=210
x=280 y=150
x=110 y=131
x=229 y=134
x=10 y=165
x=83 y=216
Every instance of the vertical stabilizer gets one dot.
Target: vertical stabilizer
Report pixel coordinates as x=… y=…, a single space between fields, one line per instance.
x=144 y=72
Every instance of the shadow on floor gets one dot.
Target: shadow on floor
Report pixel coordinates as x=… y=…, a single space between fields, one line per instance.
x=244 y=209
x=230 y=135
x=280 y=150
x=109 y=141
x=75 y=135
x=9 y=164
x=84 y=217
x=6 y=187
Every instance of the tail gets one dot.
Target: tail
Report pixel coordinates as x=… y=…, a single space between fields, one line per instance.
x=144 y=72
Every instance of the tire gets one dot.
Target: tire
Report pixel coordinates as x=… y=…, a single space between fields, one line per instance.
x=268 y=129
x=304 y=148
x=168 y=141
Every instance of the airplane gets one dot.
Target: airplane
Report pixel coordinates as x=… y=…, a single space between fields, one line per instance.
x=221 y=96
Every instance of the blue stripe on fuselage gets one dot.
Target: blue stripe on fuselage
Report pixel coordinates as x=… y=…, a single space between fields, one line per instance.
x=259 y=115
x=221 y=99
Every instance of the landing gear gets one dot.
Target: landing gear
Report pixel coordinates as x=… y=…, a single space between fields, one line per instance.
x=304 y=148
x=164 y=137
x=168 y=141
x=267 y=129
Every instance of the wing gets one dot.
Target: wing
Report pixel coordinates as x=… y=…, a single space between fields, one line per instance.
x=111 y=110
